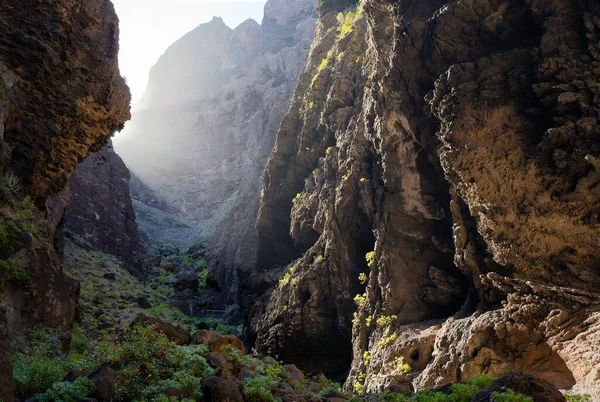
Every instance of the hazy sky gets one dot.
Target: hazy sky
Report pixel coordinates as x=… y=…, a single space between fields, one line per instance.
x=149 y=27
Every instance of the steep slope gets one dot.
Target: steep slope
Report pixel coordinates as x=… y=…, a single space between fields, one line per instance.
x=61 y=98
x=438 y=169
x=201 y=135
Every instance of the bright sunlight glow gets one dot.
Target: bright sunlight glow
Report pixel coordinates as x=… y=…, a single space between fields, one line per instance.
x=149 y=27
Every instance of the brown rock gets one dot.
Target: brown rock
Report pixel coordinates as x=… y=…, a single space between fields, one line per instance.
x=216 y=341
x=521 y=383
x=293 y=372
x=218 y=361
x=176 y=334
x=105 y=383
x=461 y=149
x=73 y=375
x=217 y=389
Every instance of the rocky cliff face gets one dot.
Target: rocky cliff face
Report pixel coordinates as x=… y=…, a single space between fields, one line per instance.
x=200 y=137
x=433 y=195
x=101 y=216
x=64 y=95
x=61 y=98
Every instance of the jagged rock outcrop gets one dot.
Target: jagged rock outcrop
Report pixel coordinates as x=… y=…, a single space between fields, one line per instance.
x=201 y=135
x=62 y=97
x=61 y=83
x=459 y=151
x=101 y=215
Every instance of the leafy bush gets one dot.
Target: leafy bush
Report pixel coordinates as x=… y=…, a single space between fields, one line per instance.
x=276 y=372
x=235 y=357
x=259 y=389
x=35 y=371
x=510 y=396
x=64 y=391
x=388 y=396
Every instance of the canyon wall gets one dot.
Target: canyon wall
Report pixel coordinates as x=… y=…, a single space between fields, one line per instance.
x=201 y=135
x=432 y=199
x=61 y=98
x=100 y=215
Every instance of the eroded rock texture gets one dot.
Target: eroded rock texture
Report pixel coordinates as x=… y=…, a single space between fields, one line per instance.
x=65 y=96
x=458 y=142
x=101 y=215
x=201 y=135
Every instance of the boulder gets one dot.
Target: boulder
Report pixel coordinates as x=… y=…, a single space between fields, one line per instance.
x=293 y=372
x=217 y=389
x=521 y=383
x=73 y=375
x=216 y=341
x=186 y=280
x=176 y=334
x=105 y=383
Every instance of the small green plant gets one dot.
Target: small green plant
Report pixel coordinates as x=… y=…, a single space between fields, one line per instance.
x=387 y=338
x=360 y=300
x=359 y=384
x=384 y=320
x=347 y=21
x=367 y=358
x=362 y=277
x=401 y=366
x=10 y=186
x=370 y=257
x=297 y=198
x=287 y=277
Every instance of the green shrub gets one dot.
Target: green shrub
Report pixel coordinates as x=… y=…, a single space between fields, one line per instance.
x=578 y=398
x=35 y=371
x=64 y=391
x=235 y=357
x=389 y=396
x=481 y=381
x=259 y=389
x=510 y=396
x=463 y=392
x=276 y=372
x=430 y=396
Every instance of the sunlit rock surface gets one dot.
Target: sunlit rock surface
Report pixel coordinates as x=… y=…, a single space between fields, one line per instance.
x=201 y=135
x=432 y=201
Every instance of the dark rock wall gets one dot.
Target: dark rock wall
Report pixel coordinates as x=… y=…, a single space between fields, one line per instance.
x=459 y=145
x=101 y=215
